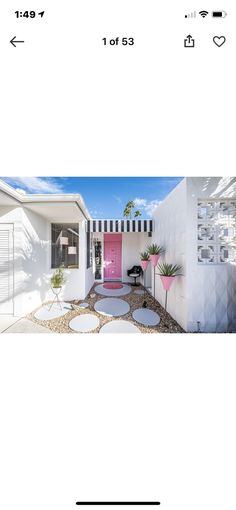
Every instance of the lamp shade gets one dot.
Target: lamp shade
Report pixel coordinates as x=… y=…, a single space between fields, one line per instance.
x=64 y=240
x=72 y=250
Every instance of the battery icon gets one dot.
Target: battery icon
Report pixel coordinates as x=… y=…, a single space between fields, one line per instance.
x=219 y=14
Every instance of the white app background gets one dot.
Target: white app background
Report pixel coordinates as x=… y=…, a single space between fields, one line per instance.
x=117 y=418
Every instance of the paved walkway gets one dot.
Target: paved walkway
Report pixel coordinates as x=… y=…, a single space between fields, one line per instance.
x=16 y=325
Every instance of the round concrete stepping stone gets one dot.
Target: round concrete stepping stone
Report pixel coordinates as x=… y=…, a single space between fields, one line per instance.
x=119 y=327
x=83 y=305
x=146 y=317
x=45 y=314
x=126 y=289
x=139 y=292
x=112 y=307
x=84 y=323
x=113 y=285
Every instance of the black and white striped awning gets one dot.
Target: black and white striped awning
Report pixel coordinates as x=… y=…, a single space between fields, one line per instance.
x=119 y=226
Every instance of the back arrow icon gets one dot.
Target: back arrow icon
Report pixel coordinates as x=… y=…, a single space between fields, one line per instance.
x=13 y=41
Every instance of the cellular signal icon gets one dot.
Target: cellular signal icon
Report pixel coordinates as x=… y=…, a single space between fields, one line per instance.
x=191 y=15
x=203 y=14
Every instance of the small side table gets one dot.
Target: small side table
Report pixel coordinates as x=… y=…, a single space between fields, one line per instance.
x=56 y=291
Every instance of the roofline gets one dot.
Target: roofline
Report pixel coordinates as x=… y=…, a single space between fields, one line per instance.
x=122 y=218
x=34 y=198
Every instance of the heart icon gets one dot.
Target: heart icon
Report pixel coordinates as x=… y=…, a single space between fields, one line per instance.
x=219 y=41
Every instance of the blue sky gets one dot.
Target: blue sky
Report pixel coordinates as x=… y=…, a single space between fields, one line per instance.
x=105 y=197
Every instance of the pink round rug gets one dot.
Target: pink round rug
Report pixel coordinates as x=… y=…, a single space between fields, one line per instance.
x=112 y=286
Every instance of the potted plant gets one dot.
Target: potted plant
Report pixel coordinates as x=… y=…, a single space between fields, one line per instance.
x=57 y=280
x=144 y=256
x=154 y=252
x=167 y=274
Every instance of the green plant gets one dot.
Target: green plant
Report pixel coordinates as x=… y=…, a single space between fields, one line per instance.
x=168 y=269
x=129 y=208
x=58 y=278
x=154 y=249
x=127 y=212
x=144 y=255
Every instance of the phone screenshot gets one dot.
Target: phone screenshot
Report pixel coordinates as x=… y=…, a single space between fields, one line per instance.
x=117 y=254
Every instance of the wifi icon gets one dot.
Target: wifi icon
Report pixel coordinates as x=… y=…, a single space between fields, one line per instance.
x=203 y=14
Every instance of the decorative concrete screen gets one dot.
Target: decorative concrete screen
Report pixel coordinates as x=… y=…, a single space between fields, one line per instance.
x=216 y=231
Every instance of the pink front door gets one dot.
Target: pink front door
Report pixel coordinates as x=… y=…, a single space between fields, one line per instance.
x=112 y=256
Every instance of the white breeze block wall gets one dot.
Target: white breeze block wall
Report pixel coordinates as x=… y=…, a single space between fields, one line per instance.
x=170 y=232
x=211 y=289
x=206 y=295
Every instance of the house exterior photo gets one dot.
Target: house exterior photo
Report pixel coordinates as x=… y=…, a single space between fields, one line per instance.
x=195 y=224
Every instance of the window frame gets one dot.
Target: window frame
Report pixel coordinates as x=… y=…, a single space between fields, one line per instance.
x=64 y=226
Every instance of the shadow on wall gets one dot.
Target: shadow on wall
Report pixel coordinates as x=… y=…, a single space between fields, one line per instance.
x=30 y=263
x=31 y=248
x=218 y=187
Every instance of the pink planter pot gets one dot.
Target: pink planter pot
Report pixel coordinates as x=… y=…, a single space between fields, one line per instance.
x=154 y=259
x=167 y=281
x=144 y=264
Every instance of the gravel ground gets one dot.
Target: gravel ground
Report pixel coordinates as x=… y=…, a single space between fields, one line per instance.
x=61 y=324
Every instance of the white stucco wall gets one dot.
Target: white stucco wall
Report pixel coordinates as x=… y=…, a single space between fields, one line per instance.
x=205 y=295
x=132 y=245
x=30 y=257
x=170 y=232
x=32 y=262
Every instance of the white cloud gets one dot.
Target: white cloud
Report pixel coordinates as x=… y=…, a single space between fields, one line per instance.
x=35 y=184
x=140 y=202
x=150 y=206
x=20 y=190
x=146 y=206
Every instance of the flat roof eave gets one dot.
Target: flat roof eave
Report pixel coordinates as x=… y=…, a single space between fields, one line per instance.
x=27 y=199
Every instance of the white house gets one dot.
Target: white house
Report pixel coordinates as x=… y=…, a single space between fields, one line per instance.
x=195 y=224
x=39 y=233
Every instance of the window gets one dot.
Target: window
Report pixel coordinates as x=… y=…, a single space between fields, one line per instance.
x=65 y=245
x=216 y=231
x=98 y=259
x=89 y=250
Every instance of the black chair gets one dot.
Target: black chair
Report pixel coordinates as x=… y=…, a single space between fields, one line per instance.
x=135 y=272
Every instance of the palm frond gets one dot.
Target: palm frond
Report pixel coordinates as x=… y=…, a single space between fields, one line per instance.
x=168 y=269
x=154 y=249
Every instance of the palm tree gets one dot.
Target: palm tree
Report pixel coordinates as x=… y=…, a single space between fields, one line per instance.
x=130 y=204
x=127 y=212
x=128 y=209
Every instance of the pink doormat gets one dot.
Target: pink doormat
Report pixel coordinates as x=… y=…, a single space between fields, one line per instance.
x=112 y=286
